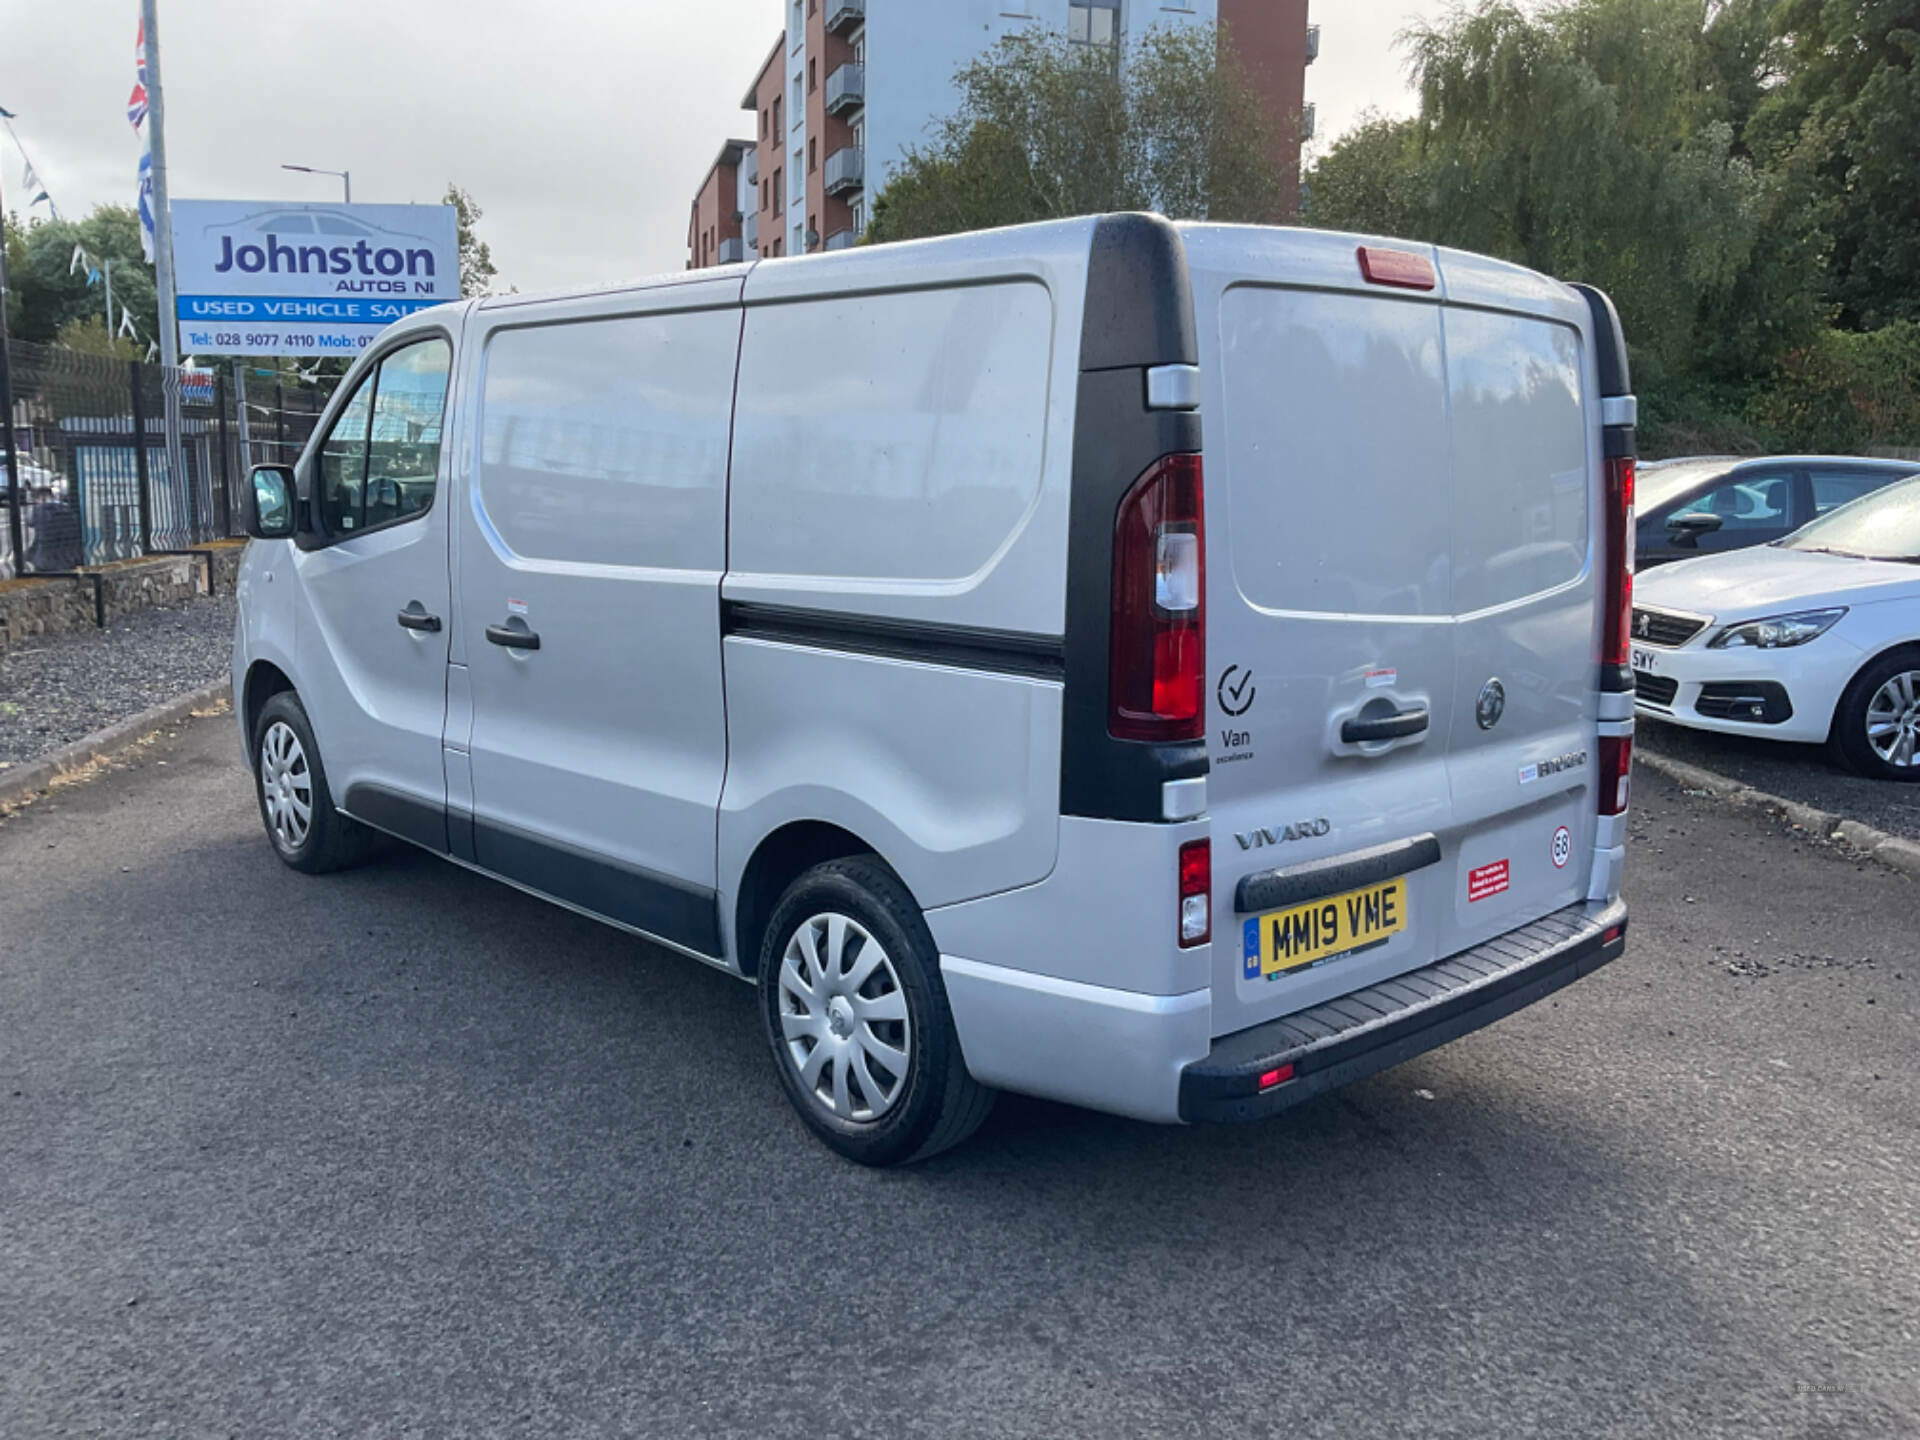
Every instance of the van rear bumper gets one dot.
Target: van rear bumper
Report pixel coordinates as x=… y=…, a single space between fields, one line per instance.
x=1355 y=1035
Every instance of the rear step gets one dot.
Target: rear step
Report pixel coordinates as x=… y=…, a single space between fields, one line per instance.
x=1270 y=1067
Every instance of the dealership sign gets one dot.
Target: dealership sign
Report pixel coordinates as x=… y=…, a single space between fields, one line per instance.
x=256 y=278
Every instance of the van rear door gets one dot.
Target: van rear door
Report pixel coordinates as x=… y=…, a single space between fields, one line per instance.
x=1401 y=607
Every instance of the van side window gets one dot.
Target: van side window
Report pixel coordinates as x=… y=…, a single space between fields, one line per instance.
x=343 y=462
x=381 y=458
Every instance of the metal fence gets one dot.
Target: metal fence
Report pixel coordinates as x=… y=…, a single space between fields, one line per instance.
x=103 y=476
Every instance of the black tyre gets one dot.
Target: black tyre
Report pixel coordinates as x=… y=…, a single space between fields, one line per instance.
x=1876 y=726
x=295 y=806
x=857 y=1017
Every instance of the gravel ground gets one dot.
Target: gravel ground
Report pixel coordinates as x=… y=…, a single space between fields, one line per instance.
x=1793 y=772
x=56 y=689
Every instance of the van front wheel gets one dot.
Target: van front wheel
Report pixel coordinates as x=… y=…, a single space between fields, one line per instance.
x=857 y=1017
x=295 y=806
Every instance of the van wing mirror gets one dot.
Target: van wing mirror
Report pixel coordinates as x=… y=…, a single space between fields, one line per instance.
x=269 y=502
x=1687 y=529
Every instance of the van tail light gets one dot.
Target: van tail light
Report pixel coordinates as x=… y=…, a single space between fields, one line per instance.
x=1158 y=659
x=1616 y=769
x=1196 y=892
x=1616 y=642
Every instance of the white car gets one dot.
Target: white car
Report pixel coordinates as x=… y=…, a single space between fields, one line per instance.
x=1813 y=638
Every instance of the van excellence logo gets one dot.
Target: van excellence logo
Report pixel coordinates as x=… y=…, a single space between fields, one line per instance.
x=360 y=258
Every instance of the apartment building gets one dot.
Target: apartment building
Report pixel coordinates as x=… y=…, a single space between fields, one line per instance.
x=851 y=84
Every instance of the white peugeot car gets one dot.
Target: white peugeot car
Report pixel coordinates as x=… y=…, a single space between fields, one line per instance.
x=1813 y=638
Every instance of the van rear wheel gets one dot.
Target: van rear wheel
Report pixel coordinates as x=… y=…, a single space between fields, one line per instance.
x=857 y=1017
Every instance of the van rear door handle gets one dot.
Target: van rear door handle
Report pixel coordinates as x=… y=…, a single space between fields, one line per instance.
x=415 y=617
x=520 y=639
x=1383 y=727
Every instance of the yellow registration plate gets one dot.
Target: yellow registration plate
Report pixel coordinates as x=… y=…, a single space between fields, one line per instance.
x=1322 y=930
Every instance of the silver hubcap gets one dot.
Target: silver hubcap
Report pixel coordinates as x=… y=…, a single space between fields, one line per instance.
x=1893 y=720
x=286 y=784
x=844 y=1018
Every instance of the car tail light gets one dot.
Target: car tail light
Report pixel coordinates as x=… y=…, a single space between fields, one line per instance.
x=1196 y=892
x=1158 y=658
x=1616 y=769
x=1616 y=642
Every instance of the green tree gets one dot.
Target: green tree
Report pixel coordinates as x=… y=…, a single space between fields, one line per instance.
x=476 y=259
x=89 y=335
x=1373 y=179
x=45 y=297
x=1847 y=115
x=1047 y=129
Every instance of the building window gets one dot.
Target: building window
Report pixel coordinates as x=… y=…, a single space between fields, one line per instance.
x=779 y=191
x=813 y=76
x=799 y=241
x=813 y=230
x=1094 y=23
x=778 y=133
x=813 y=155
x=799 y=97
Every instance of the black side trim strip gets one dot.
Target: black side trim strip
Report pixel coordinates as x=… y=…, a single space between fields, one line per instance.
x=1002 y=652
x=413 y=820
x=687 y=915
x=1317 y=879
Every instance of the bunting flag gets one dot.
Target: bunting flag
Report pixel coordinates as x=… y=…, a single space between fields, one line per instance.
x=6 y=114
x=126 y=323
x=137 y=117
x=33 y=186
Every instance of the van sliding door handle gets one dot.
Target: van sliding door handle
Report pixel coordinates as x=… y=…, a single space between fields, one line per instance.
x=415 y=617
x=514 y=639
x=1374 y=729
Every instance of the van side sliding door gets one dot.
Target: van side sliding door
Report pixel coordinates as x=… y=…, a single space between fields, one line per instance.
x=589 y=561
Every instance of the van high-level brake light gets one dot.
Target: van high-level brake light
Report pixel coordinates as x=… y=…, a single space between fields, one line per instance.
x=1399 y=268
x=1158 y=656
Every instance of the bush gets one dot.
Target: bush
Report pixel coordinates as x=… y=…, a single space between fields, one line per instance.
x=1846 y=393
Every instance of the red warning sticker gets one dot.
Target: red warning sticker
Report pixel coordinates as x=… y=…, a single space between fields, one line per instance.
x=1486 y=880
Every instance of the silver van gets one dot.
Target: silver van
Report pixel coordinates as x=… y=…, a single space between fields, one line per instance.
x=1174 y=670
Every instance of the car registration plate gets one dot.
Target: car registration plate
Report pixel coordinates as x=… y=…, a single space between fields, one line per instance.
x=1302 y=936
x=1645 y=660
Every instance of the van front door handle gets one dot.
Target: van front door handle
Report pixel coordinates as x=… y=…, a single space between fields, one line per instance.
x=1374 y=729
x=513 y=639
x=415 y=617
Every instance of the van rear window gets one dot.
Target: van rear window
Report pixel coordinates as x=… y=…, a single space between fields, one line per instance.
x=1397 y=458
x=1336 y=448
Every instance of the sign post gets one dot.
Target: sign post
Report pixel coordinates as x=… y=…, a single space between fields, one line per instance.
x=260 y=278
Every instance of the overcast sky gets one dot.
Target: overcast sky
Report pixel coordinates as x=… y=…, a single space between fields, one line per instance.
x=580 y=126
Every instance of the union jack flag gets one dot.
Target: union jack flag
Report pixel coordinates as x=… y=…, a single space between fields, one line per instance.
x=137 y=101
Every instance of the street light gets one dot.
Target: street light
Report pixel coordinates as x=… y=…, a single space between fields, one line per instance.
x=346 y=176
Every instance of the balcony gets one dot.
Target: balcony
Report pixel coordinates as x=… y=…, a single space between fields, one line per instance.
x=1313 y=43
x=846 y=88
x=846 y=171
x=1306 y=124
x=842 y=240
x=732 y=250
x=753 y=233
x=845 y=14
